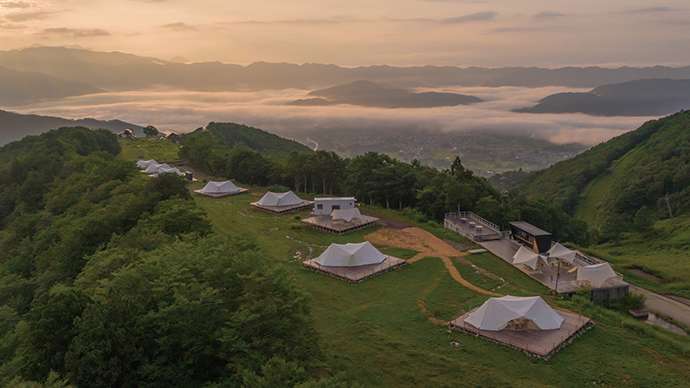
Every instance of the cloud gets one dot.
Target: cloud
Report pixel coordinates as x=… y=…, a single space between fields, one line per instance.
x=548 y=15
x=74 y=32
x=185 y=110
x=179 y=26
x=30 y=15
x=650 y=10
x=473 y=17
x=15 y=4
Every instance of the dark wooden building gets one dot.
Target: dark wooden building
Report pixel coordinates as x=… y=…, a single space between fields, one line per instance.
x=529 y=235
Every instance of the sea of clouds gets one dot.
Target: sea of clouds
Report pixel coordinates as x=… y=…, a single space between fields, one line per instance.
x=182 y=111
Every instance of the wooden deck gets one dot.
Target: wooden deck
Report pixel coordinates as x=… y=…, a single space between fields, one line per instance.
x=536 y=343
x=283 y=209
x=326 y=224
x=242 y=191
x=356 y=274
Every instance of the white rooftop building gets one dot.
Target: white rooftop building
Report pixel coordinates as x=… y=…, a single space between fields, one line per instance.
x=326 y=206
x=512 y=312
x=350 y=255
x=596 y=275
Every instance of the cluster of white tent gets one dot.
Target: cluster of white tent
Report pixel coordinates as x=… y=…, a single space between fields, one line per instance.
x=497 y=314
x=220 y=189
x=153 y=168
x=350 y=255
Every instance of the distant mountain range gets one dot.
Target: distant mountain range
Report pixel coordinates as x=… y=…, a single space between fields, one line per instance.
x=19 y=87
x=14 y=126
x=650 y=97
x=118 y=71
x=370 y=94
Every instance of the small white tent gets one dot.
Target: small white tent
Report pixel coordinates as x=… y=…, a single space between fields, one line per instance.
x=216 y=189
x=350 y=255
x=346 y=215
x=144 y=164
x=280 y=199
x=169 y=170
x=596 y=274
x=526 y=257
x=559 y=251
x=497 y=313
x=154 y=167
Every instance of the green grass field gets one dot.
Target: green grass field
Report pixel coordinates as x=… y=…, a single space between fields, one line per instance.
x=143 y=148
x=376 y=333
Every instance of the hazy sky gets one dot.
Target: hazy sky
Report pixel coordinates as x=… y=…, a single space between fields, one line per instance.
x=351 y=32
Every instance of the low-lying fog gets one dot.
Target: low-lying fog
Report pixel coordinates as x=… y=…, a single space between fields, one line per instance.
x=183 y=111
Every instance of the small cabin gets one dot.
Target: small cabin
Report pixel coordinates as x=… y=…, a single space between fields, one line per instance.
x=326 y=206
x=531 y=236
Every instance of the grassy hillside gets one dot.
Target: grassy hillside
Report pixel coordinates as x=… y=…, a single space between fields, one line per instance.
x=375 y=331
x=627 y=183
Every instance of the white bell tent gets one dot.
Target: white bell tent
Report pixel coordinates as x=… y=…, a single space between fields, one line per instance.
x=346 y=215
x=527 y=257
x=280 y=199
x=497 y=314
x=144 y=164
x=596 y=275
x=559 y=251
x=350 y=255
x=220 y=189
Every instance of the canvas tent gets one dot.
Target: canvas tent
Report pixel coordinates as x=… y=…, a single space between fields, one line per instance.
x=559 y=251
x=350 y=255
x=346 y=215
x=168 y=170
x=154 y=167
x=597 y=275
x=219 y=189
x=497 y=314
x=525 y=256
x=144 y=164
x=280 y=199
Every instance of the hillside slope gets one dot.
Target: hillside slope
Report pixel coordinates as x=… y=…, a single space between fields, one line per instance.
x=14 y=126
x=649 y=97
x=19 y=87
x=627 y=183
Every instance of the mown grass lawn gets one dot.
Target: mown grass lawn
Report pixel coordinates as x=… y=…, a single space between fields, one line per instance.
x=145 y=148
x=376 y=332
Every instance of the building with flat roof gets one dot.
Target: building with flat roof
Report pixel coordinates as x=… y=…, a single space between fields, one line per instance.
x=531 y=236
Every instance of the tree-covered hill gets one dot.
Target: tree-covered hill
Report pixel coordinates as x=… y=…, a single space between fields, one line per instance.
x=627 y=183
x=109 y=278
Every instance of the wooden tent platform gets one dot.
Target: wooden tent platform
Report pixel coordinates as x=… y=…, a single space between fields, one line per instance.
x=242 y=191
x=326 y=224
x=356 y=274
x=283 y=209
x=536 y=343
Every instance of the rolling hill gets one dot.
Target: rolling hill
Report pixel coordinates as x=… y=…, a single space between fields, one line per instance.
x=14 y=126
x=650 y=97
x=371 y=94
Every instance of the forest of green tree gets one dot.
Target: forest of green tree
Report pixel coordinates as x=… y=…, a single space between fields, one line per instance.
x=253 y=157
x=110 y=278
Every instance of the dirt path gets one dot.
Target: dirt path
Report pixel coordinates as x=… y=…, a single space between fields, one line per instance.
x=427 y=245
x=663 y=305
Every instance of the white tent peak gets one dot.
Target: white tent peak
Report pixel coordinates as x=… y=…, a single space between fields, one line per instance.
x=224 y=187
x=526 y=257
x=280 y=199
x=346 y=215
x=597 y=275
x=497 y=313
x=351 y=255
x=560 y=251
x=144 y=164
